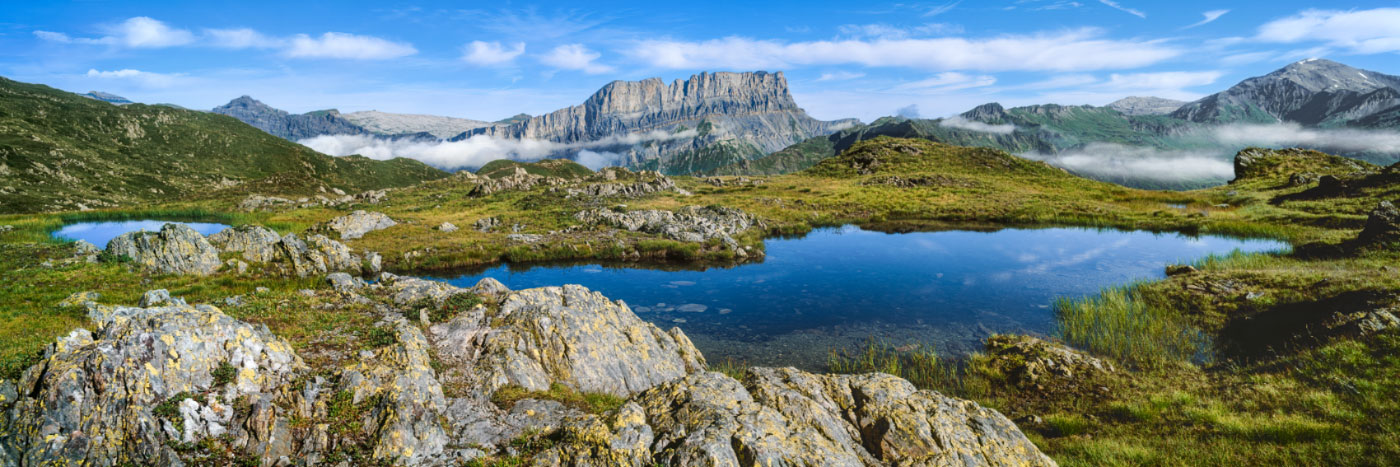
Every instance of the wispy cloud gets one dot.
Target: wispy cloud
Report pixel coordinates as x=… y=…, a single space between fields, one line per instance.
x=1077 y=50
x=478 y=150
x=137 y=32
x=941 y=9
x=1162 y=80
x=840 y=75
x=1120 y=7
x=347 y=46
x=1358 y=31
x=575 y=57
x=491 y=53
x=242 y=38
x=140 y=78
x=973 y=125
x=948 y=81
x=1209 y=16
x=885 y=31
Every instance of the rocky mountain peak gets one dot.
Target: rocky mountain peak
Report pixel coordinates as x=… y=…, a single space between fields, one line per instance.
x=704 y=92
x=988 y=112
x=1317 y=75
x=1145 y=105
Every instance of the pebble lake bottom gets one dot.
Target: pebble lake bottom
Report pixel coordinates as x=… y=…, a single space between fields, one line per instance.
x=838 y=287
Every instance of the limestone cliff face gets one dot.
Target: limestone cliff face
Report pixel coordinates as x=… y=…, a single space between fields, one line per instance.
x=659 y=125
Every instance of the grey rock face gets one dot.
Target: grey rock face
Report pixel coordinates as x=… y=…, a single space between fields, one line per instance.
x=358 y=223
x=1136 y=105
x=567 y=335
x=385 y=123
x=752 y=109
x=257 y=243
x=176 y=248
x=409 y=397
x=689 y=224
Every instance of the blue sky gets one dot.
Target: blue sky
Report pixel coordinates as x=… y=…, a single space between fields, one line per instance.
x=490 y=60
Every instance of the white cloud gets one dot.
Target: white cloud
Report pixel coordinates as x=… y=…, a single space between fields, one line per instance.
x=1209 y=16
x=948 y=81
x=241 y=38
x=840 y=76
x=575 y=57
x=144 y=79
x=1359 y=31
x=1107 y=161
x=349 y=46
x=973 y=125
x=1077 y=50
x=1060 y=81
x=53 y=36
x=885 y=31
x=477 y=150
x=1117 y=6
x=1162 y=80
x=1293 y=134
x=491 y=53
x=144 y=32
x=941 y=9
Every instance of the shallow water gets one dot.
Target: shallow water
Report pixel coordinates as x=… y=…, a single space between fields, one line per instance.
x=838 y=287
x=99 y=233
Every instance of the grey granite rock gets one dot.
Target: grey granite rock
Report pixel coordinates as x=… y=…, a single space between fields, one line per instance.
x=358 y=223
x=176 y=248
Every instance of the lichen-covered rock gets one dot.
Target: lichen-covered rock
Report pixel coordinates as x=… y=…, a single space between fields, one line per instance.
x=489 y=287
x=86 y=251
x=641 y=184
x=568 y=335
x=406 y=397
x=1032 y=361
x=92 y=399
x=358 y=223
x=176 y=248
x=316 y=255
x=257 y=243
x=783 y=416
x=518 y=181
x=689 y=224
x=412 y=290
x=485 y=224
x=447 y=227
x=344 y=283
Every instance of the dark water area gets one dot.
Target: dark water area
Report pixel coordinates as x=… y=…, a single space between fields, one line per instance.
x=839 y=287
x=99 y=233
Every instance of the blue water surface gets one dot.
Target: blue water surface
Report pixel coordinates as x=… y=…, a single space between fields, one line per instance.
x=99 y=233
x=839 y=287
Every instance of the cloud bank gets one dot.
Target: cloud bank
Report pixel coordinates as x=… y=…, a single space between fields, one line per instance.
x=1344 y=140
x=1107 y=161
x=973 y=125
x=478 y=150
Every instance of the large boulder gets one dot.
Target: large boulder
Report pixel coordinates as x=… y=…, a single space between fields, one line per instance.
x=95 y=397
x=358 y=223
x=1030 y=360
x=784 y=416
x=176 y=249
x=1382 y=225
x=257 y=243
x=403 y=394
x=316 y=255
x=567 y=335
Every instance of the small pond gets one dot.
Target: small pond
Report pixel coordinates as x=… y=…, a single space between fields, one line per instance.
x=839 y=287
x=99 y=233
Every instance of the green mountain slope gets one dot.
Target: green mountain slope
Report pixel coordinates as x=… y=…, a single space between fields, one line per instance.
x=62 y=151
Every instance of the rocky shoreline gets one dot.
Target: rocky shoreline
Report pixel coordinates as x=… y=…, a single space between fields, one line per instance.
x=171 y=384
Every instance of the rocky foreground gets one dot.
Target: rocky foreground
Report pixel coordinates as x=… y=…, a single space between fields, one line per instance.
x=169 y=383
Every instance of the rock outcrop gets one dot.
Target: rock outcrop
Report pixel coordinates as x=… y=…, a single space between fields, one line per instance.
x=620 y=182
x=300 y=256
x=257 y=243
x=518 y=181
x=689 y=224
x=783 y=416
x=1382 y=225
x=357 y=224
x=176 y=249
x=1029 y=361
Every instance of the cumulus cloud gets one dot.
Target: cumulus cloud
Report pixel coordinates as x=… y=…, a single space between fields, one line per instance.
x=1209 y=17
x=1344 y=140
x=475 y=151
x=144 y=79
x=575 y=57
x=1359 y=31
x=349 y=46
x=137 y=32
x=241 y=38
x=491 y=53
x=973 y=125
x=1075 y=50
x=1107 y=161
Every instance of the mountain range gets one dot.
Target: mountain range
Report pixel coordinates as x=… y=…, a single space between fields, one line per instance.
x=1310 y=94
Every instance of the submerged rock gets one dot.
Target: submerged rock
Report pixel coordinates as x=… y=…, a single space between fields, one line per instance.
x=176 y=248
x=357 y=224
